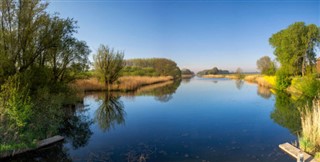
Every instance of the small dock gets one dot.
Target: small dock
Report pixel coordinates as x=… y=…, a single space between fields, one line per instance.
x=294 y=152
x=42 y=143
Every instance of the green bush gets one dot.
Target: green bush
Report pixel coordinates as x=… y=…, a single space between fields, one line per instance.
x=139 y=71
x=283 y=79
x=308 y=85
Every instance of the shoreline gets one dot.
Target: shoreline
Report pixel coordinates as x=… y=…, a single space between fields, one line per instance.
x=123 y=84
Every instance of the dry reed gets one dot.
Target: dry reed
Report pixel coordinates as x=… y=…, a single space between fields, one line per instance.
x=251 y=78
x=310 y=122
x=125 y=83
x=263 y=82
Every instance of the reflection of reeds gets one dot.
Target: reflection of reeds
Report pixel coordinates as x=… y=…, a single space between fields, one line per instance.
x=185 y=76
x=251 y=78
x=213 y=76
x=264 y=92
x=126 y=83
x=151 y=87
x=310 y=136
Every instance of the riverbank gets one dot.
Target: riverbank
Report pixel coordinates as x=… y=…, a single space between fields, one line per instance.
x=261 y=80
x=185 y=76
x=125 y=83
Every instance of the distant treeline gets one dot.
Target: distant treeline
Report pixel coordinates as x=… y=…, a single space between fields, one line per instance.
x=213 y=71
x=186 y=72
x=151 y=67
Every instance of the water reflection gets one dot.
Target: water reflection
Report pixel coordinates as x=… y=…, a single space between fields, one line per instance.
x=162 y=92
x=76 y=128
x=264 y=92
x=239 y=83
x=110 y=113
x=186 y=80
x=286 y=112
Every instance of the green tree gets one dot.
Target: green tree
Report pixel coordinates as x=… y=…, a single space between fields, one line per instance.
x=295 y=47
x=239 y=73
x=38 y=56
x=266 y=66
x=108 y=64
x=187 y=72
x=161 y=66
x=33 y=41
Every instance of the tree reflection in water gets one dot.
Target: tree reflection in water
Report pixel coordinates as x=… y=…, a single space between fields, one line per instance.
x=239 y=83
x=76 y=128
x=186 y=80
x=286 y=112
x=110 y=113
x=264 y=92
x=163 y=98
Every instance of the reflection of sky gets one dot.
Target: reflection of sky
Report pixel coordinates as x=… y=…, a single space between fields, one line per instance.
x=200 y=115
x=197 y=35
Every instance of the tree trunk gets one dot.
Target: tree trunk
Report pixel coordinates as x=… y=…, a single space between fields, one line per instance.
x=303 y=68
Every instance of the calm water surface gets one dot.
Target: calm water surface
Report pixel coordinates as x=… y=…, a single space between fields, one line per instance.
x=195 y=120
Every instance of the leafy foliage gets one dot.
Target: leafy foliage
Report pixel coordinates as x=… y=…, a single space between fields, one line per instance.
x=295 y=47
x=39 y=56
x=308 y=85
x=32 y=40
x=266 y=66
x=239 y=73
x=283 y=79
x=108 y=64
x=186 y=72
x=213 y=71
x=138 y=71
x=161 y=66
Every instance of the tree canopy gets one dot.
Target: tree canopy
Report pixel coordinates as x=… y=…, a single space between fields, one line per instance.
x=39 y=55
x=36 y=42
x=108 y=64
x=266 y=66
x=213 y=71
x=160 y=66
x=187 y=72
x=295 y=47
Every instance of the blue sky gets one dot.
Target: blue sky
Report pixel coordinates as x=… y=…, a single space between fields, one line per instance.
x=195 y=34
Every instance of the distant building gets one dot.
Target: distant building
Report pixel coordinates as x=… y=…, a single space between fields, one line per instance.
x=318 y=65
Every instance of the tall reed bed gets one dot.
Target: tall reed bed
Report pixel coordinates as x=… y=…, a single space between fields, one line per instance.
x=125 y=83
x=134 y=82
x=310 y=135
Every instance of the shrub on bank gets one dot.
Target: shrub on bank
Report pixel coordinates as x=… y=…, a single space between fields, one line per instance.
x=307 y=85
x=283 y=79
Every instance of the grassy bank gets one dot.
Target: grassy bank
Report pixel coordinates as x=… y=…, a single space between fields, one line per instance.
x=125 y=83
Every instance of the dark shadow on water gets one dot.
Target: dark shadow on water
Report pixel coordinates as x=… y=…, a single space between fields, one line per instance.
x=76 y=128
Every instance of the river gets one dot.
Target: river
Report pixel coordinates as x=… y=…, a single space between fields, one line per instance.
x=192 y=120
